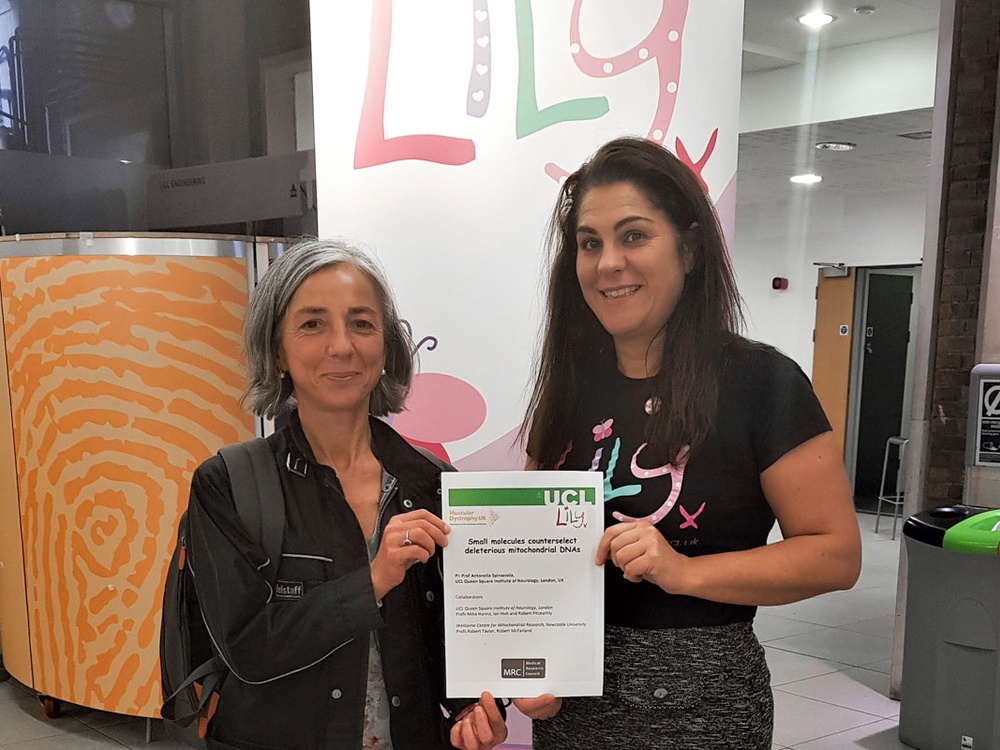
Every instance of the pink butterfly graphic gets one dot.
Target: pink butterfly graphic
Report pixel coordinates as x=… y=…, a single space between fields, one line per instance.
x=603 y=430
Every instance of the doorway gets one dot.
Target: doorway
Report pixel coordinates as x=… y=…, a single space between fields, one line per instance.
x=881 y=376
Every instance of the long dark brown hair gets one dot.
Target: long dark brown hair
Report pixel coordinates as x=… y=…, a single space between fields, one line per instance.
x=706 y=319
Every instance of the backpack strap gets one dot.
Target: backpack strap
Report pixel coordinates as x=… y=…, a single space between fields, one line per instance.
x=441 y=465
x=205 y=680
x=253 y=474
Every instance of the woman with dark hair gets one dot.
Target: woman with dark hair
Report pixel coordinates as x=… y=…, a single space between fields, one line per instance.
x=347 y=650
x=704 y=438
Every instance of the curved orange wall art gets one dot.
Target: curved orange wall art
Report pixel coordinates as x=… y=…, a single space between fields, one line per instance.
x=124 y=374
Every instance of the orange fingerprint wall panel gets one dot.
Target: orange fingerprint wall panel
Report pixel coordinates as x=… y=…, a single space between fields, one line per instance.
x=13 y=605
x=124 y=375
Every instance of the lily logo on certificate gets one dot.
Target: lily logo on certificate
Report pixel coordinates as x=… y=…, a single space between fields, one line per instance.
x=520 y=579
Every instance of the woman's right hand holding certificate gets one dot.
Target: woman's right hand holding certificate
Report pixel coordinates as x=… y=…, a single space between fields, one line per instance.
x=543 y=707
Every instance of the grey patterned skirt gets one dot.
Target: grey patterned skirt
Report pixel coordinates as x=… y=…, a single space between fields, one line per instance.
x=682 y=689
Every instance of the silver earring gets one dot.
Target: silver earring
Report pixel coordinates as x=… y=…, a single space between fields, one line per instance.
x=284 y=374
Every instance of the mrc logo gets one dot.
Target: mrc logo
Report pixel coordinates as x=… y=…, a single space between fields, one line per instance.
x=512 y=669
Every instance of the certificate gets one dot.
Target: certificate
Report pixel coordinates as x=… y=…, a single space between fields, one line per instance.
x=524 y=601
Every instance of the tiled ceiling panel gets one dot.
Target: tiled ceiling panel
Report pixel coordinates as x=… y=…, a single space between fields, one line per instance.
x=880 y=159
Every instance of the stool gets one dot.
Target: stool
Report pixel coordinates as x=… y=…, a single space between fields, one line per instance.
x=895 y=499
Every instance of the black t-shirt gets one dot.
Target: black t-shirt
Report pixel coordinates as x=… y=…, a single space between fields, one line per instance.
x=706 y=502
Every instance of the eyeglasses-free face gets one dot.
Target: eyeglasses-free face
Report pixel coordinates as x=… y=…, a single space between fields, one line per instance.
x=631 y=268
x=333 y=341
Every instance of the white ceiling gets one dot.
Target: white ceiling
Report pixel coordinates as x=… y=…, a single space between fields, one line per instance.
x=881 y=160
x=773 y=37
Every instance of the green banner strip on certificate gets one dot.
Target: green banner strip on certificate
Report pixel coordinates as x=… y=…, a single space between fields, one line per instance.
x=522 y=496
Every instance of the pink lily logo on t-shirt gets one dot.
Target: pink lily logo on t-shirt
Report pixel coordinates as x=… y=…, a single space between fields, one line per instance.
x=676 y=472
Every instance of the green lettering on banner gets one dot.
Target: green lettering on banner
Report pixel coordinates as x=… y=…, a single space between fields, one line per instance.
x=466 y=496
x=528 y=117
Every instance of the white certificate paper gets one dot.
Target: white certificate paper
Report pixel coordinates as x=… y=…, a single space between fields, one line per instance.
x=524 y=602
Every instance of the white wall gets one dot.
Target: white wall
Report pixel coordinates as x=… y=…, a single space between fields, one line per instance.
x=891 y=75
x=866 y=228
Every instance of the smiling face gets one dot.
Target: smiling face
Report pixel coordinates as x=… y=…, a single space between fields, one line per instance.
x=332 y=341
x=630 y=266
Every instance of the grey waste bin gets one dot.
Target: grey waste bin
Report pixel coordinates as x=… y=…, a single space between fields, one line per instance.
x=951 y=661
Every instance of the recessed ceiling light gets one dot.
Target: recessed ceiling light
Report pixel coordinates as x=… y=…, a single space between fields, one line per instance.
x=835 y=146
x=805 y=179
x=865 y=10
x=815 y=20
x=917 y=135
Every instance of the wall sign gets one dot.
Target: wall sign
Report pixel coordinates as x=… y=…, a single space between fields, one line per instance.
x=443 y=130
x=988 y=425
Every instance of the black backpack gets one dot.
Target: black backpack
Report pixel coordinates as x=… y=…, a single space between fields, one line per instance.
x=191 y=670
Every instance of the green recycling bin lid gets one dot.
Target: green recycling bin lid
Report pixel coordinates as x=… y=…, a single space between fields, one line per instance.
x=979 y=534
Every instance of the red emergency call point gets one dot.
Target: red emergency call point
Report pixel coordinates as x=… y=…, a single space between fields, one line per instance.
x=779 y=283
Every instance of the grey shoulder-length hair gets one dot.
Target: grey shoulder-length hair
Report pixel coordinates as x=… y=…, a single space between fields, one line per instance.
x=267 y=392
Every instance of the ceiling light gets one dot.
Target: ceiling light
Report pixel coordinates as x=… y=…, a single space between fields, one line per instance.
x=865 y=10
x=917 y=135
x=805 y=179
x=816 y=20
x=835 y=146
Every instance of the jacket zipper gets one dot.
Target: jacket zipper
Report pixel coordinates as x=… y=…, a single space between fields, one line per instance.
x=383 y=505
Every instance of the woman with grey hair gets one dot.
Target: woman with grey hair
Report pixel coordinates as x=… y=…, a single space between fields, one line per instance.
x=346 y=651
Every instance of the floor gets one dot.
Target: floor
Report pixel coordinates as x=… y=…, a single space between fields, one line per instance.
x=829 y=657
x=829 y=660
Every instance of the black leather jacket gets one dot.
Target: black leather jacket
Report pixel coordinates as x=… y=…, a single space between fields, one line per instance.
x=299 y=655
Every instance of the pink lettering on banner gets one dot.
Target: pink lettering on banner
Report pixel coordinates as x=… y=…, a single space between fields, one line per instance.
x=698 y=166
x=372 y=147
x=557 y=173
x=439 y=408
x=662 y=45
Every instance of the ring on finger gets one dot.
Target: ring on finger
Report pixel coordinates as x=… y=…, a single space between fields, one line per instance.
x=406 y=539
